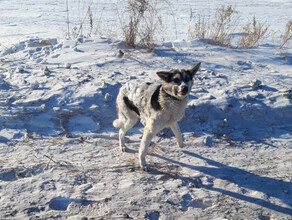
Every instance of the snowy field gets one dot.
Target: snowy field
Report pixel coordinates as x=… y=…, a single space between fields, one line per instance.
x=59 y=155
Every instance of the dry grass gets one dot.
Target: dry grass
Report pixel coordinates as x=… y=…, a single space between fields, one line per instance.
x=142 y=24
x=90 y=18
x=136 y=10
x=220 y=29
x=85 y=25
x=68 y=20
x=223 y=25
x=79 y=31
x=254 y=32
x=287 y=37
x=199 y=29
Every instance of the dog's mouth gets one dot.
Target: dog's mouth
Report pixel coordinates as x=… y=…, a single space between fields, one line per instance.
x=182 y=93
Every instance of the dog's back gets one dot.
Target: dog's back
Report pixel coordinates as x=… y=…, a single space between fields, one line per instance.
x=135 y=98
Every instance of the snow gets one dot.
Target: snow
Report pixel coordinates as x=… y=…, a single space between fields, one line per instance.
x=59 y=150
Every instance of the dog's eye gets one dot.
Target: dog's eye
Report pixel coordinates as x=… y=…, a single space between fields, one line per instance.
x=176 y=80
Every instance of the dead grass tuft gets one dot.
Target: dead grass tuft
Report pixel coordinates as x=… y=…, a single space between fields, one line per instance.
x=199 y=29
x=142 y=24
x=136 y=10
x=219 y=31
x=254 y=32
x=79 y=31
x=287 y=37
x=223 y=25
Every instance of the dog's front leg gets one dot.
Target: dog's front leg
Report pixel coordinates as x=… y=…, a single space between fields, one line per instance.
x=146 y=140
x=176 y=130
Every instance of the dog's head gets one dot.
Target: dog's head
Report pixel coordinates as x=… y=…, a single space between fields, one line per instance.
x=178 y=83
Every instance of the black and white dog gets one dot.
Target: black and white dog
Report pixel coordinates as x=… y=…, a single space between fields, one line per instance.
x=157 y=106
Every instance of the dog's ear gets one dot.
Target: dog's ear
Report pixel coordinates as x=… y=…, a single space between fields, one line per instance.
x=164 y=75
x=192 y=71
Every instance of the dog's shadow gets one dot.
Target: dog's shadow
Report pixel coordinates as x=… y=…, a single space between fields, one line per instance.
x=278 y=189
x=275 y=188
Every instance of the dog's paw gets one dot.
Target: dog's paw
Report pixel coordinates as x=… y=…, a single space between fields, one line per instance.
x=124 y=148
x=144 y=168
x=181 y=145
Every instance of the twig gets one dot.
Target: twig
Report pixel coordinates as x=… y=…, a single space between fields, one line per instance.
x=67 y=4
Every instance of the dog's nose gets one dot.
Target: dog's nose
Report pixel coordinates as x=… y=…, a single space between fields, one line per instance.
x=184 y=89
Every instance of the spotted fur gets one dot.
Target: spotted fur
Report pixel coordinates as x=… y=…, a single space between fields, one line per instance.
x=157 y=107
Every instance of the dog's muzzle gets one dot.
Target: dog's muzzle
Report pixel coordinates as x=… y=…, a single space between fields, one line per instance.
x=184 y=90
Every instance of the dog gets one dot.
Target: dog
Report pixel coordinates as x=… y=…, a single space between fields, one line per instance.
x=157 y=106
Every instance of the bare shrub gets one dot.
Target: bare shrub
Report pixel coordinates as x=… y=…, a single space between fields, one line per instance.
x=223 y=25
x=253 y=33
x=136 y=10
x=78 y=31
x=199 y=29
x=220 y=30
x=143 y=23
x=151 y=25
x=90 y=18
x=287 y=35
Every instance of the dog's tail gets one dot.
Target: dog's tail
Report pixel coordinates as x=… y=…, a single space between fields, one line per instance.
x=117 y=123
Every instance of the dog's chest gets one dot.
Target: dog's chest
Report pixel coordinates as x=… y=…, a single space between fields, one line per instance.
x=173 y=110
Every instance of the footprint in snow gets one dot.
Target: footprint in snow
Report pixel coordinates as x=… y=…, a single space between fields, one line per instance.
x=245 y=65
x=59 y=203
x=62 y=203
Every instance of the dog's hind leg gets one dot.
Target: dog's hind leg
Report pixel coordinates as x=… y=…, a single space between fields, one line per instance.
x=132 y=119
x=126 y=119
x=128 y=115
x=176 y=130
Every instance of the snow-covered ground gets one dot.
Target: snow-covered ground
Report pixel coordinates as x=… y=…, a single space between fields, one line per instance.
x=59 y=151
